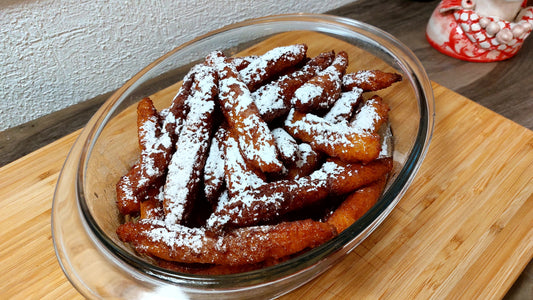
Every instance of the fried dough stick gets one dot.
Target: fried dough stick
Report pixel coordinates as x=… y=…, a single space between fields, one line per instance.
x=238 y=175
x=372 y=114
x=300 y=159
x=277 y=198
x=322 y=90
x=271 y=64
x=356 y=205
x=344 y=107
x=273 y=99
x=214 y=167
x=185 y=168
x=156 y=141
x=255 y=140
x=335 y=139
x=369 y=80
x=237 y=247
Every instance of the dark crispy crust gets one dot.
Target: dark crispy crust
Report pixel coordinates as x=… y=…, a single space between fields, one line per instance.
x=369 y=80
x=237 y=247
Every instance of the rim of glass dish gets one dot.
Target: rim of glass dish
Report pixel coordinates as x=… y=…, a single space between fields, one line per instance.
x=416 y=74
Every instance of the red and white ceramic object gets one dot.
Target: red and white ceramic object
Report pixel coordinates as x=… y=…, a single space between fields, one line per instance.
x=480 y=30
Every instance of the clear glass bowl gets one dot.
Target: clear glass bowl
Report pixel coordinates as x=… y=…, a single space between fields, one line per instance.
x=84 y=213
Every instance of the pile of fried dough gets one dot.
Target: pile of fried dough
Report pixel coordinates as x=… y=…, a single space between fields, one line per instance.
x=256 y=160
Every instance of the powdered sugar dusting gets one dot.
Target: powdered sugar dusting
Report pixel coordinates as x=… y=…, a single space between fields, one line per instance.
x=185 y=166
x=256 y=70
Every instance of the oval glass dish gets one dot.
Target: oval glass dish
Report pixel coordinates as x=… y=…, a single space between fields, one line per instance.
x=84 y=212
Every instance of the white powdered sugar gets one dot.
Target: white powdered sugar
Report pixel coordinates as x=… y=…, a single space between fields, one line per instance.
x=344 y=106
x=287 y=146
x=255 y=139
x=367 y=118
x=177 y=236
x=214 y=165
x=358 y=78
x=184 y=170
x=268 y=99
x=256 y=69
x=304 y=152
x=239 y=176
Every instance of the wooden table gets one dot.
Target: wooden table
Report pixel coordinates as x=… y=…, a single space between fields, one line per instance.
x=481 y=210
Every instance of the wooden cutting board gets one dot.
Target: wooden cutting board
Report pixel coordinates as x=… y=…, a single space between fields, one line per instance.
x=464 y=229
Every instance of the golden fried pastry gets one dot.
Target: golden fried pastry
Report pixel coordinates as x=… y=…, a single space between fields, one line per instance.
x=214 y=167
x=241 y=62
x=152 y=208
x=356 y=205
x=273 y=99
x=240 y=246
x=235 y=173
x=239 y=176
x=373 y=113
x=322 y=90
x=270 y=200
x=155 y=144
x=307 y=161
x=271 y=64
x=369 y=80
x=344 y=107
x=255 y=140
x=334 y=139
x=287 y=145
x=183 y=180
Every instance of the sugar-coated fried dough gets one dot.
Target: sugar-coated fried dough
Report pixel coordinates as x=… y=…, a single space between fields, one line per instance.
x=373 y=113
x=271 y=64
x=156 y=142
x=237 y=247
x=308 y=161
x=156 y=148
x=344 y=107
x=287 y=145
x=273 y=99
x=255 y=140
x=152 y=208
x=233 y=175
x=369 y=80
x=214 y=167
x=241 y=62
x=356 y=205
x=185 y=168
x=277 y=198
x=239 y=176
x=351 y=176
x=322 y=90
x=334 y=139
x=128 y=201
x=176 y=112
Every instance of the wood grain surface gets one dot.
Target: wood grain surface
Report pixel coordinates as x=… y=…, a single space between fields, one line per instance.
x=464 y=229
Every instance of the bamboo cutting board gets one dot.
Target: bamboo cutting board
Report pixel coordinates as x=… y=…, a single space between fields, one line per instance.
x=464 y=229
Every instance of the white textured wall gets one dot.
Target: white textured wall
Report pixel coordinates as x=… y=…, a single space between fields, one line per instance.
x=55 y=53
